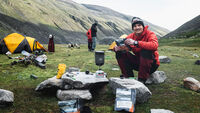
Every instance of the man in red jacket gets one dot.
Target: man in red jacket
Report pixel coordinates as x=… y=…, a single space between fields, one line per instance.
x=89 y=35
x=144 y=44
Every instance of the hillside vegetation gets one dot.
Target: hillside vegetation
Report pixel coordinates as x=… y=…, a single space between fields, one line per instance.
x=190 y=29
x=66 y=19
x=169 y=95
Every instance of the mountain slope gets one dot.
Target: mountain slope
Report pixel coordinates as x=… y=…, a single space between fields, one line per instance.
x=66 y=19
x=186 y=30
x=102 y=11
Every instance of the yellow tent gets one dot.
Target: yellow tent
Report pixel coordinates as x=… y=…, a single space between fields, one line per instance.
x=15 y=43
x=114 y=43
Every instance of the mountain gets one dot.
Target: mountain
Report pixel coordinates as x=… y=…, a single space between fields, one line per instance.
x=65 y=19
x=188 y=29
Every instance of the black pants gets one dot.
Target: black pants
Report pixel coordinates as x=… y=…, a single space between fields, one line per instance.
x=90 y=45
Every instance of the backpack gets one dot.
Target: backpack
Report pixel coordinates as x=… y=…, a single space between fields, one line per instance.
x=89 y=35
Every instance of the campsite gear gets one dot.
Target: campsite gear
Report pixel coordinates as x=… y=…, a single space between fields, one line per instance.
x=99 y=58
x=8 y=53
x=73 y=69
x=125 y=100
x=70 y=74
x=61 y=70
x=41 y=58
x=33 y=76
x=51 y=46
x=15 y=43
x=30 y=58
x=41 y=65
x=87 y=72
x=100 y=74
x=132 y=78
x=70 y=106
x=38 y=52
x=120 y=42
x=111 y=47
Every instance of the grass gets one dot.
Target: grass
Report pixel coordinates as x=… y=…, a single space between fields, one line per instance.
x=169 y=95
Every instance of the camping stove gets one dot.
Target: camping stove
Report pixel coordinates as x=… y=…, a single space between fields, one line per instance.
x=99 y=60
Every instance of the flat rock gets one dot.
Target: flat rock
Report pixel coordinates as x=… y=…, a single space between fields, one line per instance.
x=156 y=77
x=6 y=97
x=192 y=84
x=80 y=80
x=164 y=59
x=74 y=94
x=161 y=111
x=50 y=84
x=142 y=92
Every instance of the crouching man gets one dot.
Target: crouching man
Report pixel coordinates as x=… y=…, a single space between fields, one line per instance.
x=144 y=44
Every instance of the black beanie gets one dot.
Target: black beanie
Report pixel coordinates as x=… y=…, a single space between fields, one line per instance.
x=137 y=20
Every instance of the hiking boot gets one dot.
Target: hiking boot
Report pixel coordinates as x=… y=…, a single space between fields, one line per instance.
x=143 y=80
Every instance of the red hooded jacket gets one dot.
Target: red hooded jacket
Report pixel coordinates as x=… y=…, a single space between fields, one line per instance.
x=89 y=35
x=148 y=41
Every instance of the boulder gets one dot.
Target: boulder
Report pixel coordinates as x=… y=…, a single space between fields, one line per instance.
x=195 y=55
x=74 y=94
x=142 y=92
x=192 y=84
x=50 y=84
x=81 y=80
x=6 y=97
x=161 y=111
x=164 y=59
x=156 y=77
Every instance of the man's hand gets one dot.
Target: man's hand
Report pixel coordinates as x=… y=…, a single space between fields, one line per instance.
x=121 y=48
x=129 y=41
x=117 y=48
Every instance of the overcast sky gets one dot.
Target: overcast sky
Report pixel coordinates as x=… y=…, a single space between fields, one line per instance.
x=169 y=14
